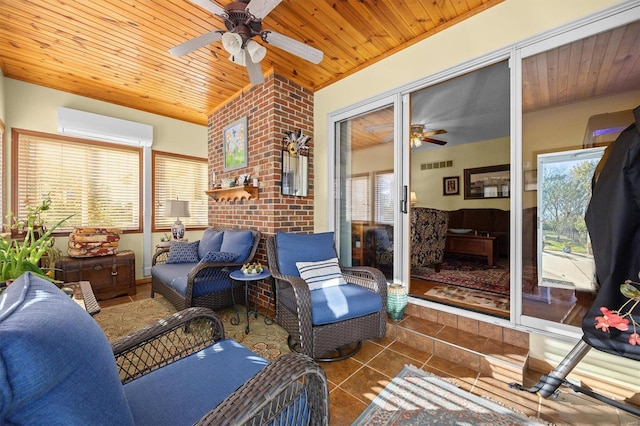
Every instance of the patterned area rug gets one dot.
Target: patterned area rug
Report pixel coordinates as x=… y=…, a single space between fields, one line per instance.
x=452 y=293
x=468 y=273
x=268 y=341
x=417 y=398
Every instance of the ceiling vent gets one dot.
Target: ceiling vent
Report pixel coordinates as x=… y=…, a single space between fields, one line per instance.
x=436 y=165
x=83 y=124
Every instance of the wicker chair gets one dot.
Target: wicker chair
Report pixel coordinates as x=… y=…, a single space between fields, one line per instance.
x=207 y=284
x=297 y=309
x=180 y=370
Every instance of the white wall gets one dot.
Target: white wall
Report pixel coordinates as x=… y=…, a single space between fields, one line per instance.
x=32 y=107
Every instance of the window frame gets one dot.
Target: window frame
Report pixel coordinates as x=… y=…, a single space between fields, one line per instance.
x=154 y=183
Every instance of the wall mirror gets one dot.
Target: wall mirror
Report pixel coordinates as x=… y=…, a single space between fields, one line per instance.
x=295 y=174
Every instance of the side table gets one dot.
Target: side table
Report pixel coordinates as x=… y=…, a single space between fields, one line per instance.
x=83 y=295
x=245 y=279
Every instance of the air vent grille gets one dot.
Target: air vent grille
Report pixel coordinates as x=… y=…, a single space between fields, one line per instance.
x=436 y=165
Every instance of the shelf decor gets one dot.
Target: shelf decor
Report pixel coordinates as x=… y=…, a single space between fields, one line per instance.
x=233 y=193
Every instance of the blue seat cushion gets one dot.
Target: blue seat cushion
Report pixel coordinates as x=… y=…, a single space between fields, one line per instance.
x=292 y=248
x=240 y=242
x=175 y=276
x=211 y=241
x=343 y=302
x=183 y=392
x=56 y=364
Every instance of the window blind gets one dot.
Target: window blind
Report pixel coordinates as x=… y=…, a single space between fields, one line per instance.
x=359 y=199
x=384 y=201
x=180 y=177
x=97 y=183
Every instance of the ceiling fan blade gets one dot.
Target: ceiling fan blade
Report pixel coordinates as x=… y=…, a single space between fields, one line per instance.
x=261 y=8
x=427 y=133
x=254 y=70
x=290 y=45
x=196 y=43
x=436 y=141
x=211 y=7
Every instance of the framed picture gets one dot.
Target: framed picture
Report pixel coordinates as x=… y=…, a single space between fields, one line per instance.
x=530 y=180
x=451 y=185
x=235 y=145
x=487 y=182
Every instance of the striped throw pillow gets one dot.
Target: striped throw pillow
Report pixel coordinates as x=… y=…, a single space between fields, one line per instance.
x=325 y=273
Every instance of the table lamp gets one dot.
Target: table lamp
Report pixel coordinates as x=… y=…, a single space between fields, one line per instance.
x=413 y=199
x=177 y=209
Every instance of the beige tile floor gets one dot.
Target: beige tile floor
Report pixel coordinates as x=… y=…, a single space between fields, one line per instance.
x=355 y=382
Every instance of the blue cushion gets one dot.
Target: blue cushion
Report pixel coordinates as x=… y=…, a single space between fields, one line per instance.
x=184 y=391
x=175 y=276
x=218 y=257
x=294 y=248
x=343 y=302
x=183 y=252
x=56 y=364
x=240 y=242
x=211 y=241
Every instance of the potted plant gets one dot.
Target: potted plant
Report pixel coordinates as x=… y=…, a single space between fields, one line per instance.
x=34 y=242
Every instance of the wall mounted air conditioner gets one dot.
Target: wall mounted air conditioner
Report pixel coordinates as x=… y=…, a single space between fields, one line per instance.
x=83 y=124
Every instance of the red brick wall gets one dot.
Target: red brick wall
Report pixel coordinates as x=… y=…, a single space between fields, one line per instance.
x=271 y=108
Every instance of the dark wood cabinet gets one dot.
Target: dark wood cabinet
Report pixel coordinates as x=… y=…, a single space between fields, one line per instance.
x=110 y=276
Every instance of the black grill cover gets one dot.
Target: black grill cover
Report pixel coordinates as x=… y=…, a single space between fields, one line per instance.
x=613 y=221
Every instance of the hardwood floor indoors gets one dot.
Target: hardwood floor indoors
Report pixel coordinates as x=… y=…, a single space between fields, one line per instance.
x=355 y=382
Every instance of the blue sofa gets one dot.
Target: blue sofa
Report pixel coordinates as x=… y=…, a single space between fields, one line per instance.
x=57 y=368
x=197 y=273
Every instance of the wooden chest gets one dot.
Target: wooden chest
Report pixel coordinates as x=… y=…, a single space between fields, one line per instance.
x=110 y=276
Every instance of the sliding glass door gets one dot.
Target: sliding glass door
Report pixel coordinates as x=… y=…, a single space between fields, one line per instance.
x=369 y=191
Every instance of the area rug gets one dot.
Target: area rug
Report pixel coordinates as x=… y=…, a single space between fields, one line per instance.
x=468 y=296
x=468 y=273
x=268 y=341
x=415 y=397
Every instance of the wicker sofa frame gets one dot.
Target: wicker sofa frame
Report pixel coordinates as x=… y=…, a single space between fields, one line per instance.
x=274 y=390
x=204 y=271
x=293 y=312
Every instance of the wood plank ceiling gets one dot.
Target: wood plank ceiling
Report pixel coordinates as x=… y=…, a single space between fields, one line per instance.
x=117 y=50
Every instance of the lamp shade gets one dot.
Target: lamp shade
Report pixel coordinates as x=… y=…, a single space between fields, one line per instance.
x=256 y=51
x=413 y=198
x=232 y=42
x=176 y=208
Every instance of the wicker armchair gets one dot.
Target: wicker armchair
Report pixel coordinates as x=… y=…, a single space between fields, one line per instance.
x=180 y=370
x=205 y=284
x=297 y=306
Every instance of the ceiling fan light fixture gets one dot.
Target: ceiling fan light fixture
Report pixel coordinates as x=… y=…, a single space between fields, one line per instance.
x=416 y=142
x=232 y=43
x=256 y=51
x=238 y=59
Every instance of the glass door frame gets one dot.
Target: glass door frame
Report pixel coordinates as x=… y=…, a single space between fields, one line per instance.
x=401 y=139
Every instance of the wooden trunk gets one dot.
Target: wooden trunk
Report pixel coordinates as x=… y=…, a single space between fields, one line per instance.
x=110 y=276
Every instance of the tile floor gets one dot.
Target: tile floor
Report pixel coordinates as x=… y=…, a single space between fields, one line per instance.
x=355 y=382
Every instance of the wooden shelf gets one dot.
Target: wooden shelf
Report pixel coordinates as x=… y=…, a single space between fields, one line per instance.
x=234 y=193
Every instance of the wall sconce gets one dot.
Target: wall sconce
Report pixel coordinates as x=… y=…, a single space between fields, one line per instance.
x=177 y=209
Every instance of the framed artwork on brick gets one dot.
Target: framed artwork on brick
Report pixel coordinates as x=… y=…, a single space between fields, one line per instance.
x=235 y=145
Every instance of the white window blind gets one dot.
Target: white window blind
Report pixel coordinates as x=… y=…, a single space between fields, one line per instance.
x=384 y=197
x=98 y=183
x=359 y=199
x=180 y=177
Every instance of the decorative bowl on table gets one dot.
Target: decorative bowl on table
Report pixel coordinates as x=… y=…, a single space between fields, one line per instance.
x=460 y=230
x=251 y=268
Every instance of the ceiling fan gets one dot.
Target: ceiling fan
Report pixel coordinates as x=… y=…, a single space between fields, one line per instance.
x=243 y=20
x=419 y=135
